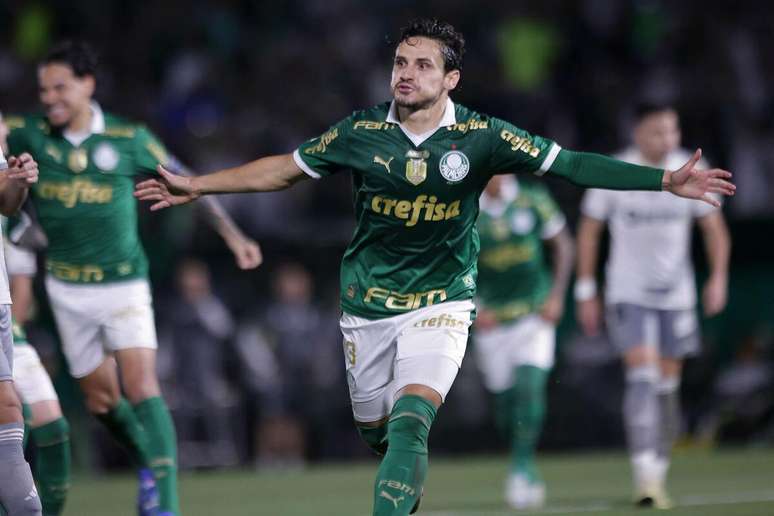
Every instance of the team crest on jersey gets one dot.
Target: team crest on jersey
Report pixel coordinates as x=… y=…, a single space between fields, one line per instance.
x=416 y=166
x=454 y=166
x=105 y=157
x=522 y=221
x=78 y=160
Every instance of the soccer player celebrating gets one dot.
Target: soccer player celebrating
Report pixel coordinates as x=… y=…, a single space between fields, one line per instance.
x=18 y=495
x=408 y=277
x=650 y=293
x=519 y=303
x=96 y=268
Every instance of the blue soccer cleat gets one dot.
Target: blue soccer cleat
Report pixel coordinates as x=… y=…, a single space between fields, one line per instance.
x=147 y=494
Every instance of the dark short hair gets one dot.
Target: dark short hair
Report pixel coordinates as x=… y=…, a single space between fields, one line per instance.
x=78 y=55
x=452 y=42
x=646 y=108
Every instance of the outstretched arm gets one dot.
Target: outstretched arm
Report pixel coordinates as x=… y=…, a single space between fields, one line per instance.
x=597 y=171
x=262 y=175
x=246 y=250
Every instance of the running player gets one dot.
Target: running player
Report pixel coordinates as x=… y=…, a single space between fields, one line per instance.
x=519 y=301
x=96 y=268
x=650 y=294
x=408 y=277
x=18 y=495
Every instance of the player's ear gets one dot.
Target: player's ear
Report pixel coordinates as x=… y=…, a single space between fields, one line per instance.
x=451 y=79
x=89 y=84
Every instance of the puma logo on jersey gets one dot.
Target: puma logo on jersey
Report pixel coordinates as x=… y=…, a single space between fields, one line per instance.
x=379 y=160
x=395 y=501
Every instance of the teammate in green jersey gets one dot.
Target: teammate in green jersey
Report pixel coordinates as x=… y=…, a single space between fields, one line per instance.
x=409 y=274
x=96 y=268
x=519 y=303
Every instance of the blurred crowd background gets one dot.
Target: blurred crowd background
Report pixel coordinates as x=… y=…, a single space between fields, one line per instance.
x=251 y=362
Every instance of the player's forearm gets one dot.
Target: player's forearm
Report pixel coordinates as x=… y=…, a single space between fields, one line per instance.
x=262 y=175
x=21 y=294
x=562 y=258
x=717 y=245
x=589 y=231
x=598 y=171
x=12 y=196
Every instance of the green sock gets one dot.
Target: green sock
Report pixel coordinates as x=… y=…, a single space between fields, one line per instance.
x=52 y=443
x=404 y=467
x=123 y=425
x=375 y=437
x=528 y=411
x=503 y=413
x=162 y=450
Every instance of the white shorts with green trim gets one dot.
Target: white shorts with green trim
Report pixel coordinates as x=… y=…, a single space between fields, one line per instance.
x=30 y=377
x=94 y=320
x=529 y=340
x=425 y=347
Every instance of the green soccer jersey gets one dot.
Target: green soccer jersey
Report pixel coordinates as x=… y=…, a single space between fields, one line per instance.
x=84 y=197
x=514 y=279
x=416 y=201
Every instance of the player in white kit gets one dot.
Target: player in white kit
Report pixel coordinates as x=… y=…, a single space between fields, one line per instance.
x=18 y=495
x=650 y=293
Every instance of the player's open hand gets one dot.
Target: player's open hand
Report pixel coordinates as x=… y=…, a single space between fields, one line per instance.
x=692 y=183
x=552 y=309
x=246 y=251
x=22 y=169
x=167 y=190
x=714 y=295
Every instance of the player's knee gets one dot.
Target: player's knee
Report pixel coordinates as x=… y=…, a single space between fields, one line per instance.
x=10 y=406
x=139 y=391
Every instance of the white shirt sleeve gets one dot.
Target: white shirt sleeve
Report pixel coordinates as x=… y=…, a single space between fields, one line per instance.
x=597 y=204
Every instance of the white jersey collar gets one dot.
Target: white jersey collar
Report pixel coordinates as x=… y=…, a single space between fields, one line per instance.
x=97 y=127
x=449 y=118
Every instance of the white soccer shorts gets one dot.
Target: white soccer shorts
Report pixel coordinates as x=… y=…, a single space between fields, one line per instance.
x=529 y=340
x=425 y=347
x=30 y=377
x=94 y=320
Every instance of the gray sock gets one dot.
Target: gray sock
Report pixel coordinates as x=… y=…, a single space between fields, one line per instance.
x=640 y=409
x=17 y=489
x=670 y=420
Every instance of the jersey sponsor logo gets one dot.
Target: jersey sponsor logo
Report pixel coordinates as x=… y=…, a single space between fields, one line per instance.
x=325 y=140
x=519 y=143
x=424 y=207
x=76 y=191
x=404 y=302
x=442 y=321
x=55 y=153
x=78 y=160
x=70 y=272
x=454 y=166
x=380 y=161
x=416 y=166
x=522 y=222
x=471 y=125
x=504 y=256
x=372 y=125
x=398 y=486
x=105 y=157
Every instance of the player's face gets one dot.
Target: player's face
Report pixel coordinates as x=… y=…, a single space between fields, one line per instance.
x=418 y=76
x=657 y=135
x=62 y=93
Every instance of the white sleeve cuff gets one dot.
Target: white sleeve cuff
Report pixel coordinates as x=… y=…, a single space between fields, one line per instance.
x=553 y=152
x=303 y=166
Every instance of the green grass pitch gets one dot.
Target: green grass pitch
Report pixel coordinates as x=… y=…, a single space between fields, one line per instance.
x=738 y=483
